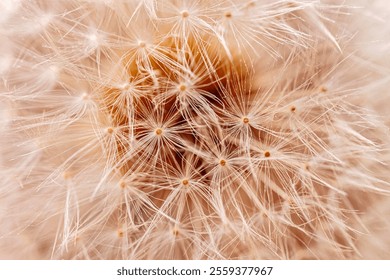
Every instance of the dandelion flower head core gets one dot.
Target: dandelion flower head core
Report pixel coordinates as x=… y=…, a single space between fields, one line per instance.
x=191 y=130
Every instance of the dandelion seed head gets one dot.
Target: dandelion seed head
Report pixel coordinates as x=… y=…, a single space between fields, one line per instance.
x=110 y=130
x=185 y=182
x=185 y=14
x=147 y=128
x=120 y=233
x=245 y=120
x=323 y=89
x=175 y=232
x=141 y=44
x=159 y=131
x=228 y=15
x=122 y=185
x=182 y=87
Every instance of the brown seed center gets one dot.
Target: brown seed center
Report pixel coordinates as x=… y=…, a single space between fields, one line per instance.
x=185 y=14
x=185 y=182
x=141 y=44
x=175 y=232
x=182 y=87
x=158 y=131
x=323 y=89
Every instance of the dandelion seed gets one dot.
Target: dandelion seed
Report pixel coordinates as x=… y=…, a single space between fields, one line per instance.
x=120 y=233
